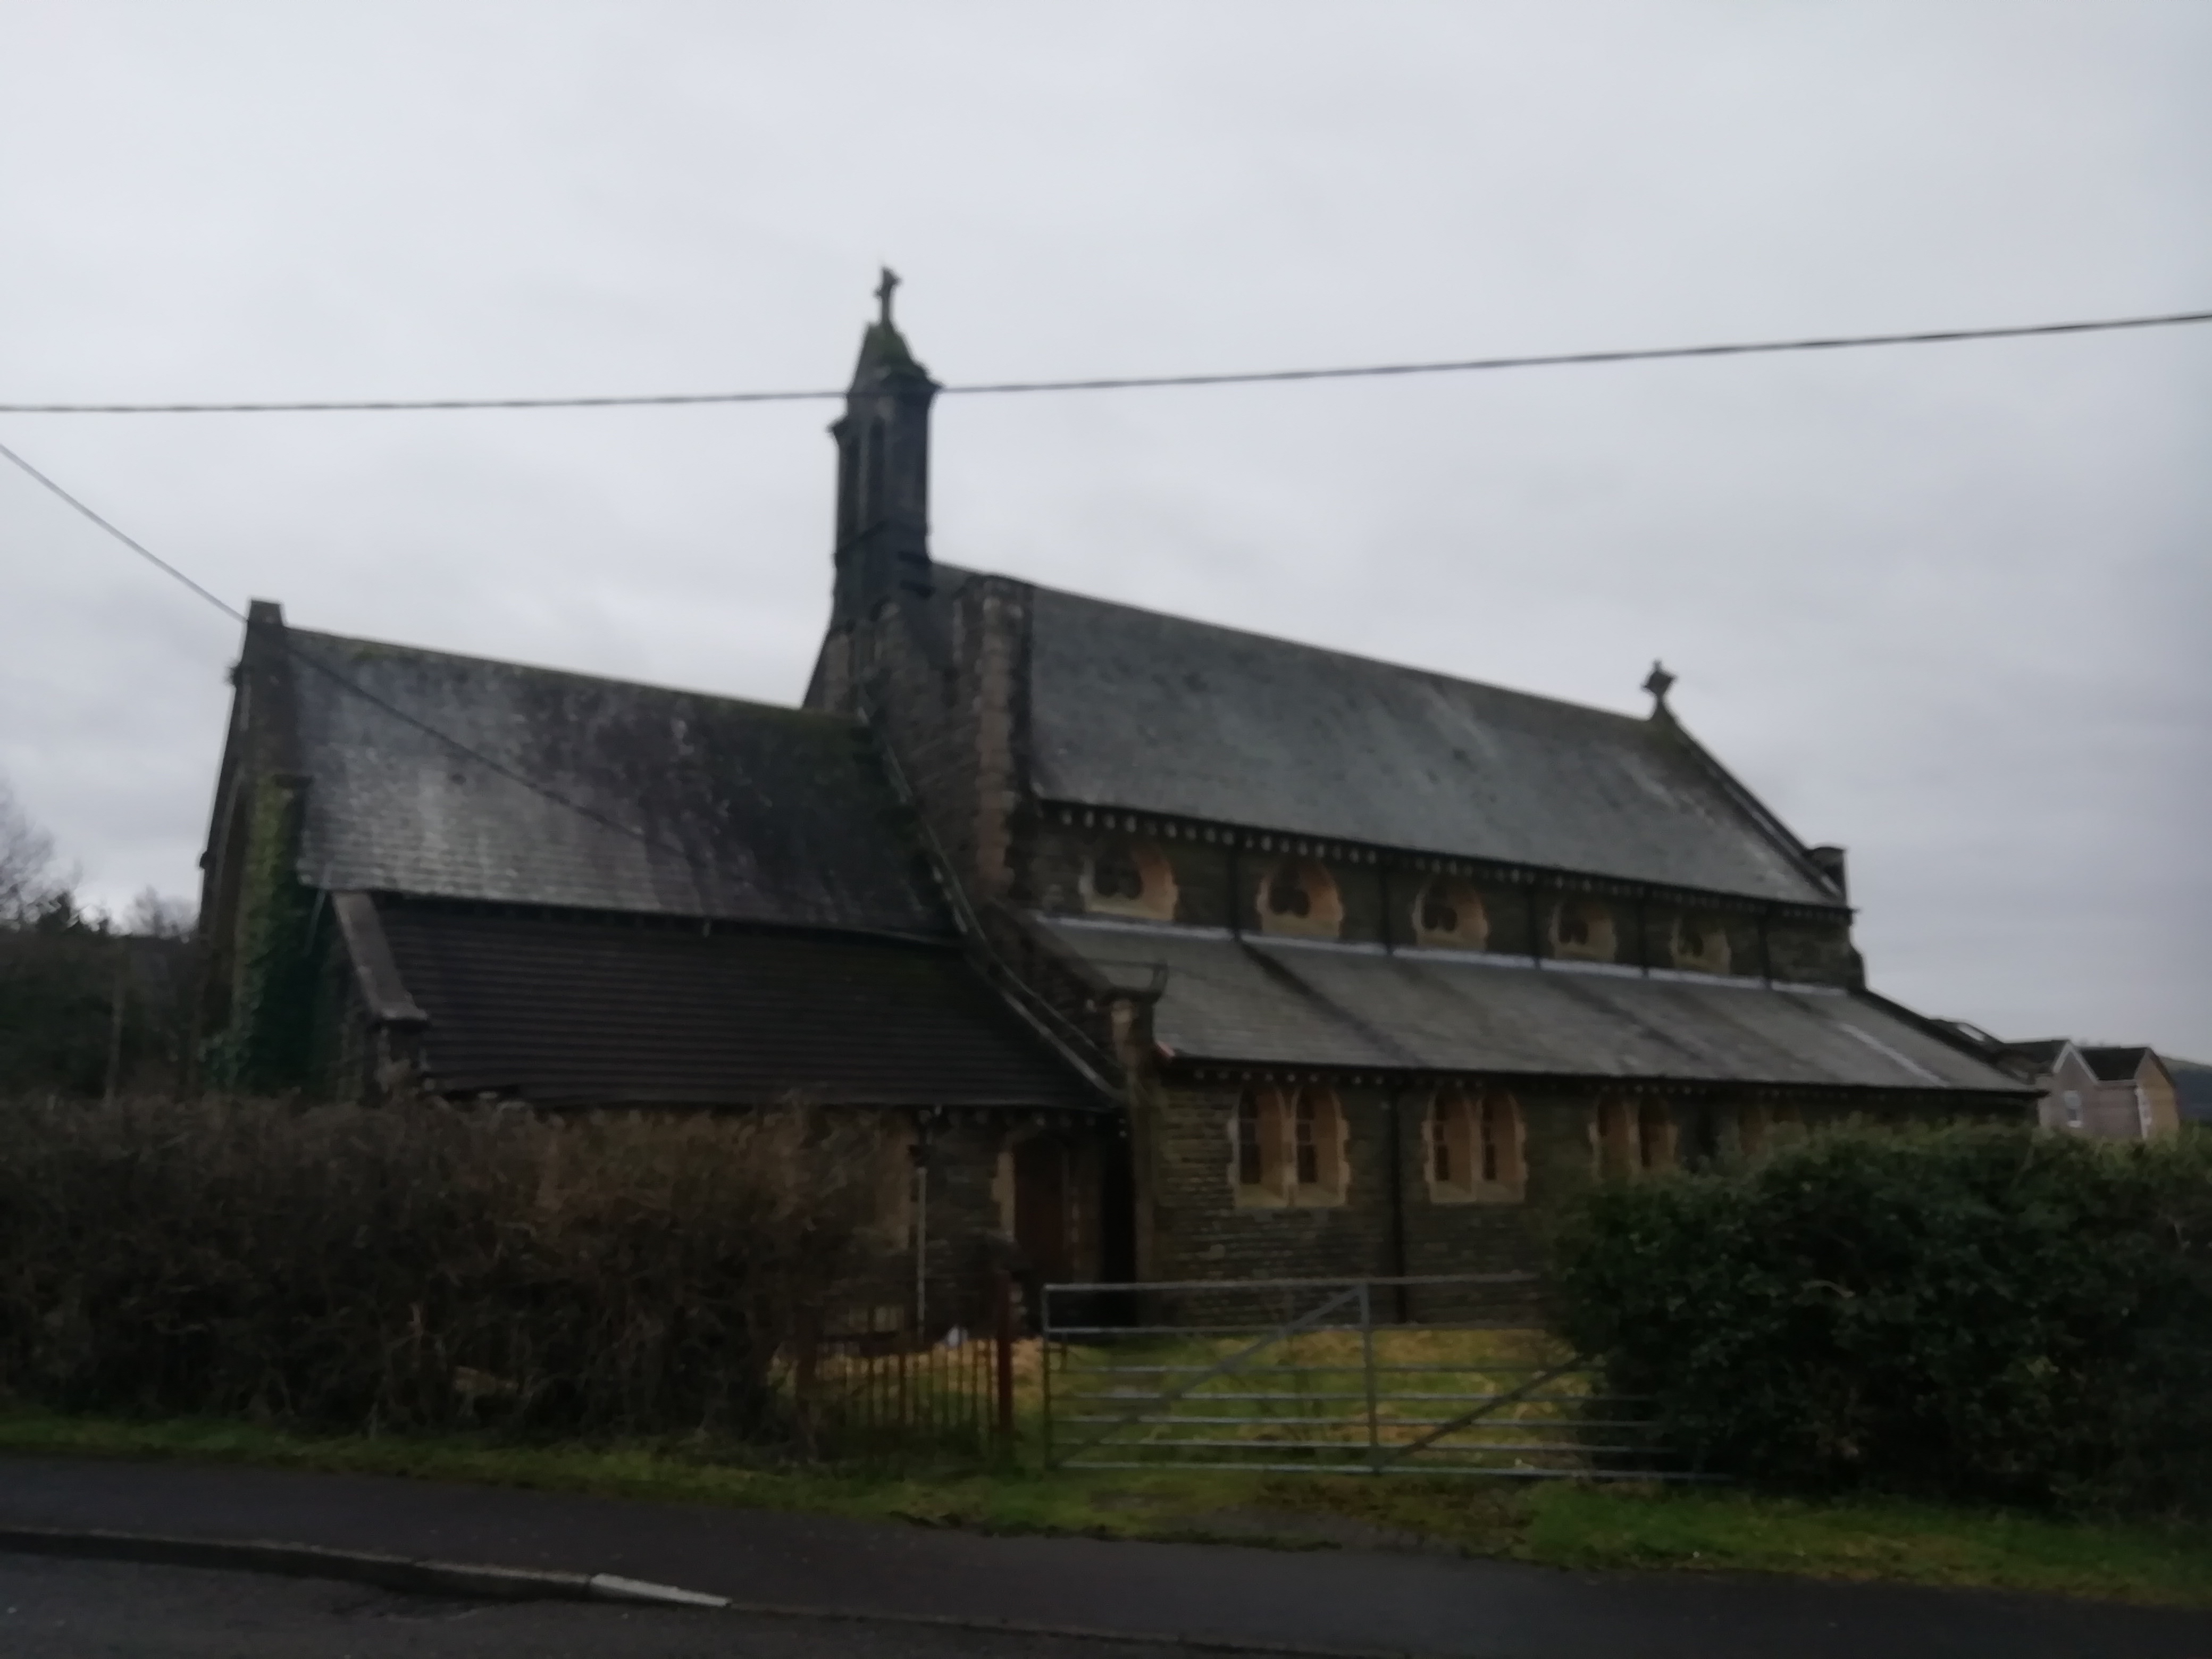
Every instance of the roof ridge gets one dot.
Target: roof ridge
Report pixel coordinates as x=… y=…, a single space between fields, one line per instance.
x=1637 y=721
x=795 y=711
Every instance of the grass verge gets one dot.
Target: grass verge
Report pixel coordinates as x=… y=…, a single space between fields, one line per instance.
x=1576 y=1526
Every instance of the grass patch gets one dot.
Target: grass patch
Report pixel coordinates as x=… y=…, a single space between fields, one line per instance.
x=1564 y=1525
x=1583 y=1526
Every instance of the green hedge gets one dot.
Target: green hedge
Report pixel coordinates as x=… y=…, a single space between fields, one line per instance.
x=420 y=1267
x=1985 y=1314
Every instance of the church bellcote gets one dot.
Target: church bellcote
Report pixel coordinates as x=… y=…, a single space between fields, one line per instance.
x=883 y=473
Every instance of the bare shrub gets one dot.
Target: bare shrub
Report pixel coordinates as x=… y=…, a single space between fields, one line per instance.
x=421 y=1267
x=28 y=886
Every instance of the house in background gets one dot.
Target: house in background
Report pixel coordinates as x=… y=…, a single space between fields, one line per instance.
x=2192 y=1088
x=2104 y=1091
x=2135 y=1098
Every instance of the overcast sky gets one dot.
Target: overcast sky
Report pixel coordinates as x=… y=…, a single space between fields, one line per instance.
x=1949 y=606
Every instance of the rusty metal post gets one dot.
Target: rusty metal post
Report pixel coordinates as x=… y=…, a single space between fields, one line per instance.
x=1003 y=1316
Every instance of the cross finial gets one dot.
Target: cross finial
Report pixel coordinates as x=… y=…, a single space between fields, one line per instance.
x=1659 y=683
x=884 y=290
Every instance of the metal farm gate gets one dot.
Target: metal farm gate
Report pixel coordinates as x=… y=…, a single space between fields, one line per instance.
x=1417 y=1375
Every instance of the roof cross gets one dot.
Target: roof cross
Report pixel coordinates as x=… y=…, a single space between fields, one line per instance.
x=1659 y=684
x=884 y=291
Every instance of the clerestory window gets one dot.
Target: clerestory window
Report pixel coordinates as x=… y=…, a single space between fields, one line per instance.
x=1130 y=879
x=1298 y=898
x=1581 y=930
x=1449 y=914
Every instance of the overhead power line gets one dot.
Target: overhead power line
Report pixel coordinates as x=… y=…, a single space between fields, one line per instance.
x=1130 y=383
x=350 y=687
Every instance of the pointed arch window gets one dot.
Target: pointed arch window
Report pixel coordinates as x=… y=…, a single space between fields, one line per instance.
x=873 y=508
x=1631 y=1138
x=1289 y=1147
x=1475 y=1148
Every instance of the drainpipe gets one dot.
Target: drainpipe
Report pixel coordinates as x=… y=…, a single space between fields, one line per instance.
x=1235 y=889
x=1397 y=1200
x=921 y=1228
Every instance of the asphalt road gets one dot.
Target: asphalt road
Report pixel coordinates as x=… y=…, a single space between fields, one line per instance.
x=1359 y=1599
x=53 y=1609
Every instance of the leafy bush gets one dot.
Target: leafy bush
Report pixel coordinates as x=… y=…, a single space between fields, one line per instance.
x=1977 y=1313
x=419 y=1266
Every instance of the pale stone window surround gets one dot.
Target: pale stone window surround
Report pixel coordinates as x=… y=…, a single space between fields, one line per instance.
x=1475 y=1148
x=1288 y=1148
x=1129 y=877
x=1700 y=944
x=1612 y=1134
x=1297 y=898
x=1631 y=1138
x=1583 y=931
x=894 y=1206
x=2072 y=1098
x=1448 y=915
x=1655 y=1138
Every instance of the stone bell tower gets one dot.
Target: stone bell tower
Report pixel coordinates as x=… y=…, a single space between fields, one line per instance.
x=882 y=475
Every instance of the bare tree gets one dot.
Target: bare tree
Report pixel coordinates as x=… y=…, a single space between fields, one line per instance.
x=154 y=916
x=27 y=883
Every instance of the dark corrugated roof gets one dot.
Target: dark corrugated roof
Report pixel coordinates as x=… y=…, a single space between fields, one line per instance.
x=1135 y=709
x=723 y=809
x=1267 y=1001
x=2114 y=1065
x=583 y=1012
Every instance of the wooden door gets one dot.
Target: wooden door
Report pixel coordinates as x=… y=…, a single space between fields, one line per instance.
x=1040 y=1215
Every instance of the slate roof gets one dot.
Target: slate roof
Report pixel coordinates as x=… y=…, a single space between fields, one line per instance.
x=576 y=1011
x=2114 y=1065
x=1135 y=709
x=692 y=805
x=1287 y=1003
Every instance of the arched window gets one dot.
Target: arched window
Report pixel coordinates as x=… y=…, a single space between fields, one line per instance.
x=1613 y=1136
x=1129 y=879
x=1631 y=1138
x=1701 y=944
x=1298 y=898
x=1448 y=914
x=1317 y=1142
x=1256 y=1169
x=1474 y=1145
x=1289 y=1147
x=873 y=508
x=1582 y=931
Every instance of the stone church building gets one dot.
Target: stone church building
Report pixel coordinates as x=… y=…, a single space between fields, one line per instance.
x=1169 y=951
